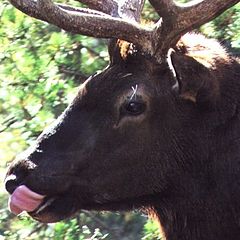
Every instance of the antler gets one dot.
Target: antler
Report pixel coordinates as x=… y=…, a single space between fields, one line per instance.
x=119 y=19
x=124 y=9
x=107 y=6
x=178 y=19
x=109 y=24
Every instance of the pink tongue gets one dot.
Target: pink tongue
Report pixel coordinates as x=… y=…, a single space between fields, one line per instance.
x=24 y=199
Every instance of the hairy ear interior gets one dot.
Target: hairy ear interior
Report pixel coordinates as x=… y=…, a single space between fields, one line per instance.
x=197 y=83
x=120 y=51
x=114 y=52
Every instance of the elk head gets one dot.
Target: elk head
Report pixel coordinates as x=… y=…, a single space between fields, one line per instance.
x=133 y=134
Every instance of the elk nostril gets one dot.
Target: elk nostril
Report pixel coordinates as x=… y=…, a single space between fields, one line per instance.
x=11 y=183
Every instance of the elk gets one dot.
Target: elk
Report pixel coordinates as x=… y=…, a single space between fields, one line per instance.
x=158 y=129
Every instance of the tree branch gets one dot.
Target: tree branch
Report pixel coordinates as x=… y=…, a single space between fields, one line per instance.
x=7 y=124
x=112 y=232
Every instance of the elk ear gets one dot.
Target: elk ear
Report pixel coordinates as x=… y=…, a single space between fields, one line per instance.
x=197 y=83
x=114 y=52
x=120 y=51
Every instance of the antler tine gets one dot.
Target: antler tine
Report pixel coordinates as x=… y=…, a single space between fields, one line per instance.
x=89 y=22
x=107 y=6
x=177 y=19
x=165 y=8
x=30 y=7
x=196 y=13
x=123 y=9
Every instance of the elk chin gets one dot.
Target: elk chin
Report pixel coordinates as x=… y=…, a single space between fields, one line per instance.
x=54 y=209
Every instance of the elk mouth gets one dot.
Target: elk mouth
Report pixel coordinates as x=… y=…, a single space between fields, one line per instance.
x=54 y=209
x=47 y=202
x=47 y=209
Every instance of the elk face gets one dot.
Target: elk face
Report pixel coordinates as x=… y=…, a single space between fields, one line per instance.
x=101 y=152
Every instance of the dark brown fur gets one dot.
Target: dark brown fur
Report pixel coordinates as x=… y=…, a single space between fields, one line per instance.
x=179 y=158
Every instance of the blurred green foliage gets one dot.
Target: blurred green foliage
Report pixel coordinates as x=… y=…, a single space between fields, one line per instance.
x=41 y=67
x=226 y=28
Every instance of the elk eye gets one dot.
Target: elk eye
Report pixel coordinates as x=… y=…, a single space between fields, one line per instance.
x=134 y=107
